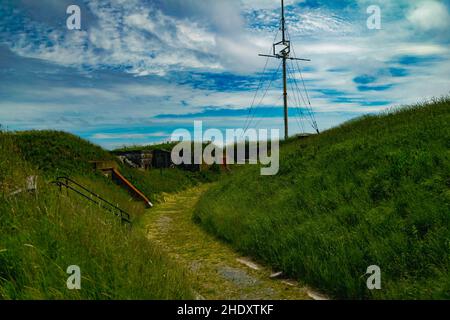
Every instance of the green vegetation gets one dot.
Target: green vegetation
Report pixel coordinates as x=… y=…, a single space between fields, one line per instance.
x=43 y=233
x=62 y=154
x=58 y=153
x=217 y=272
x=374 y=191
x=155 y=182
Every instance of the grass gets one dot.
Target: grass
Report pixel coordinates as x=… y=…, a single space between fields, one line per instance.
x=155 y=182
x=56 y=154
x=374 y=191
x=215 y=269
x=43 y=233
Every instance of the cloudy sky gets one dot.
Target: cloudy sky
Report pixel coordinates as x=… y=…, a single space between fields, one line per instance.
x=139 y=69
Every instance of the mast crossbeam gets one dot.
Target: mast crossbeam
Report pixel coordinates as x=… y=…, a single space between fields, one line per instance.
x=277 y=56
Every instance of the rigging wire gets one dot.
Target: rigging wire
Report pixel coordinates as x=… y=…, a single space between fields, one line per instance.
x=256 y=93
x=298 y=92
x=247 y=123
x=311 y=111
x=308 y=106
x=310 y=115
x=300 y=114
x=307 y=102
x=260 y=120
x=264 y=95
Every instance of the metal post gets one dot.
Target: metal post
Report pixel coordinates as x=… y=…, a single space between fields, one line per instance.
x=286 y=111
x=283 y=29
x=286 y=115
x=285 y=55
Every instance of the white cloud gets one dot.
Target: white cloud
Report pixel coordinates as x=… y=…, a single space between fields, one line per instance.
x=127 y=136
x=143 y=40
x=430 y=15
x=267 y=4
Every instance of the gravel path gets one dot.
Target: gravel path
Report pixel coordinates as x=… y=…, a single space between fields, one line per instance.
x=217 y=271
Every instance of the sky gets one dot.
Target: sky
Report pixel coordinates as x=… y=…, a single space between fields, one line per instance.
x=140 y=69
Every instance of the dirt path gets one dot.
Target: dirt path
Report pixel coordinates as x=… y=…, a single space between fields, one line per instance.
x=217 y=271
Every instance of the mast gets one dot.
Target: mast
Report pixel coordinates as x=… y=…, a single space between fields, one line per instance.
x=284 y=54
x=285 y=98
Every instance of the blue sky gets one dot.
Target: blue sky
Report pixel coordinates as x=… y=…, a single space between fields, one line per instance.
x=139 y=69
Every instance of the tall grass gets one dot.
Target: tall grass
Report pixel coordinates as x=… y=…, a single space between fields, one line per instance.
x=43 y=233
x=57 y=153
x=375 y=191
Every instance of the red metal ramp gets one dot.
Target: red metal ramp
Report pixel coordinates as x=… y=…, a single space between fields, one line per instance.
x=117 y=175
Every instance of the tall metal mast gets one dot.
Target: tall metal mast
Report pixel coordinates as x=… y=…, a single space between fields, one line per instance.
x=283 y=53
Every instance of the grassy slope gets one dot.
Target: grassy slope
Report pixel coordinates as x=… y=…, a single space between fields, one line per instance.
x=58 y=154
x=41 y=235
x=373 y=191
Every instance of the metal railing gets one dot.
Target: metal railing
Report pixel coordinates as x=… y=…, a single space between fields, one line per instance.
x=82 y=191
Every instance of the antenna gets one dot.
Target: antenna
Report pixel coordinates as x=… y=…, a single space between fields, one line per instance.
x=282 y=50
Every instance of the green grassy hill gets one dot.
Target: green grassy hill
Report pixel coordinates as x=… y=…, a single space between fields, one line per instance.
x=374 y=191
x=58 y=153
x=43 y=233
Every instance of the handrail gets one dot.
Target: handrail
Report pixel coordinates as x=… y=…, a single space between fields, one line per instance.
x=105 y=204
